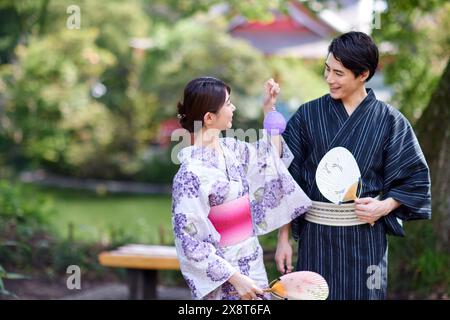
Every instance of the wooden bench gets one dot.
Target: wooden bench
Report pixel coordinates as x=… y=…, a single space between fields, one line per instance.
x=142 y=263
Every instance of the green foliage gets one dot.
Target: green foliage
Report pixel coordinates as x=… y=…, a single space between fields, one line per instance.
x=418 y=32
x=157 y=167
x=416 y=265
x=82 y=254
x=51 y=118
x=23 y=231
x=170 y=11
x=6 y=275
x=49 y=114
x=22 y=208
x=24 y=226
x=192 y=48
x=297 y=80
x=28 y=241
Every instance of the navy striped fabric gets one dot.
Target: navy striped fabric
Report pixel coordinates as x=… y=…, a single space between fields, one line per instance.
x=382 y=142
x=353 y=260
x=392 y=165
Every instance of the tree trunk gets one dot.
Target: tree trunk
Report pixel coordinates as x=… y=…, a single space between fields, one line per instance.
x=433 y=131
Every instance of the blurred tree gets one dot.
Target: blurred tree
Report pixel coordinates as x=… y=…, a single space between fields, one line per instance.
x=193 y=48
x=433 y=130
x=49 y=115
x=170 y=11
x=19 y=20
x=418 y=32
x=48 y=75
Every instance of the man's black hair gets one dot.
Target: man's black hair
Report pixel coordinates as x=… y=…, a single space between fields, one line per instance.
x=356 y=51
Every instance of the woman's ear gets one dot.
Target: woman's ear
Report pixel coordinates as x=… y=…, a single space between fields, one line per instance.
x=208 y=118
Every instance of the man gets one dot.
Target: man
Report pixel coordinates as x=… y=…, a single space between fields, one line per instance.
x=395 y=176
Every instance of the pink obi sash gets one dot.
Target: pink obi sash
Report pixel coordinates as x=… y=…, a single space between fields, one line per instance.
x=232 y=220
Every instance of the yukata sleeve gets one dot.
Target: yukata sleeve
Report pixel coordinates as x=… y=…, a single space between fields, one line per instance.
x=406 y=173
x=294 y=137
x=201 y=261
x=275 y=198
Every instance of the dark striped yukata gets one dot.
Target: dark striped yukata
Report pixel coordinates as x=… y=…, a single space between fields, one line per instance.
x=353 y=259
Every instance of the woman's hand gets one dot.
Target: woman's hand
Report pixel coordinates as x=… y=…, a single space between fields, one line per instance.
x=271 y=91
x=245 y=287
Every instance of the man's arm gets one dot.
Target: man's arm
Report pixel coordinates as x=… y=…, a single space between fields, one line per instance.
x=283 y=255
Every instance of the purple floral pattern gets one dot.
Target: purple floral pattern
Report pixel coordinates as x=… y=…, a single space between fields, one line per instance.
x=270 y=196
x=262 y=165
x=206 y=155
x=245 y=157
x=205 y=262
x=179 y=222
x=244 y=262
x=285 y=151
x=217 y=271
x=185 y=184
x=227 y=289
x=193 y=248
x=298 y=212
x=235 y=172
x=275 y=189
x=219 y=192
x=258 y=211
x=263 y=148
x=215 y=244
x=242 y=152
x=191 y=286
x=245 y=188
x=231 y=143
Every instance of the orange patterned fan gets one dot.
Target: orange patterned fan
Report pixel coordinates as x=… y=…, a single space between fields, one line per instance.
x=300 y=285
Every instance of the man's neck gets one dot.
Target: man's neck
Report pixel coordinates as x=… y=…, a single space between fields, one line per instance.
x=353 y=101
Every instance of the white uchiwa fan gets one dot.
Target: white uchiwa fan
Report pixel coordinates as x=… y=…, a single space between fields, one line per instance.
x=300 y=285
x=338 y=175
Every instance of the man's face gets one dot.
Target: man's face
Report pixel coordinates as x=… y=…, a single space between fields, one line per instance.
x=342 y=81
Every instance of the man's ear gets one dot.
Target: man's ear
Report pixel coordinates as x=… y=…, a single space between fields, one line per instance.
x=364 y=75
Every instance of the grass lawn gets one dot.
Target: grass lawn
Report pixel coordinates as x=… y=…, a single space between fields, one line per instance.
x=96 y=217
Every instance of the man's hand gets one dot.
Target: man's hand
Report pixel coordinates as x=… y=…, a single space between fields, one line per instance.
x=370 y=210
x=283 y=255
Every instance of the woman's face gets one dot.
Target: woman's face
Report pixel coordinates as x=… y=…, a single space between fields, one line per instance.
x=224 y=117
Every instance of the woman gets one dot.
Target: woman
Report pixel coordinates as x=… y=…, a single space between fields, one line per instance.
x=227 y=192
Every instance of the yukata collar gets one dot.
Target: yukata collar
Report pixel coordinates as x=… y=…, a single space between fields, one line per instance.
x=206 y=156
x=209 y=158
x=369 y=98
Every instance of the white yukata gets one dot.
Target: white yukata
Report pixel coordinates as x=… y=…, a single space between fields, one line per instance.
x=206 y=179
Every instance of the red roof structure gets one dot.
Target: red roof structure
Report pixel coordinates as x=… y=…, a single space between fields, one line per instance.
x=301 y=33
x=166 y=128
